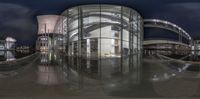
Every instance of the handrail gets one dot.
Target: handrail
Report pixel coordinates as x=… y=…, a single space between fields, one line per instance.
x=147 y=42
x=170 y=24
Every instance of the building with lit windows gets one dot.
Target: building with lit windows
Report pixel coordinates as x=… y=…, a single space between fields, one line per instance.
x=196 y=47
x=8 y=44
x=49 y=37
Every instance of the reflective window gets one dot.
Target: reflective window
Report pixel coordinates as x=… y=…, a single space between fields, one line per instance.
x=101 y=31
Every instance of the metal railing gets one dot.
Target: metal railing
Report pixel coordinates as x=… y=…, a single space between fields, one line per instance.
x=166 y=25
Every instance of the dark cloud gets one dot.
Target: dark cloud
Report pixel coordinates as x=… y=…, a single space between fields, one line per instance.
x=185 y=15
x=17 y=21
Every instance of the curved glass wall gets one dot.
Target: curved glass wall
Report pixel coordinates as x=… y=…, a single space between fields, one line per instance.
x=102 y=31
x=103 y=38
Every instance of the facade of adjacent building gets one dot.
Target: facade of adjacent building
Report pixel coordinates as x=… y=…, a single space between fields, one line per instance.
x=49 y=37
x=95 y=36
x=8 y=44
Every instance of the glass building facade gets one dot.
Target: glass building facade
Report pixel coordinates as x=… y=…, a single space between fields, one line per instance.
x=95 y=31
x=102 y=37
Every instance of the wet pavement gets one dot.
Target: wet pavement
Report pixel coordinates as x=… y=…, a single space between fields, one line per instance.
x=50 y=76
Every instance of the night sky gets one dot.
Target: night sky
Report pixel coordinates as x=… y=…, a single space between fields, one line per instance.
x=18 y=17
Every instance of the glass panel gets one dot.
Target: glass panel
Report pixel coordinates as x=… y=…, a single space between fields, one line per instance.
x=125 y=49
x=107 y=47
x=73 y=19
x=96 y=33
x=111 y=9
x=91 y=21
x=111 y=67
x=126 y=23
x=101 y=39
x=110 y=21
x=93 y=47
x=125 y=64
x=73 y=24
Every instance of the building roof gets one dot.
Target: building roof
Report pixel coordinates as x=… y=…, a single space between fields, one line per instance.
x=10 y=39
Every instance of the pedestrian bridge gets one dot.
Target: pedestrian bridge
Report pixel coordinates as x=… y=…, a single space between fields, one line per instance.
x=168 y=26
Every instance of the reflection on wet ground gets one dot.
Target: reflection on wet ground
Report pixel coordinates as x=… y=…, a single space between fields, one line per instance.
x=50 y=75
